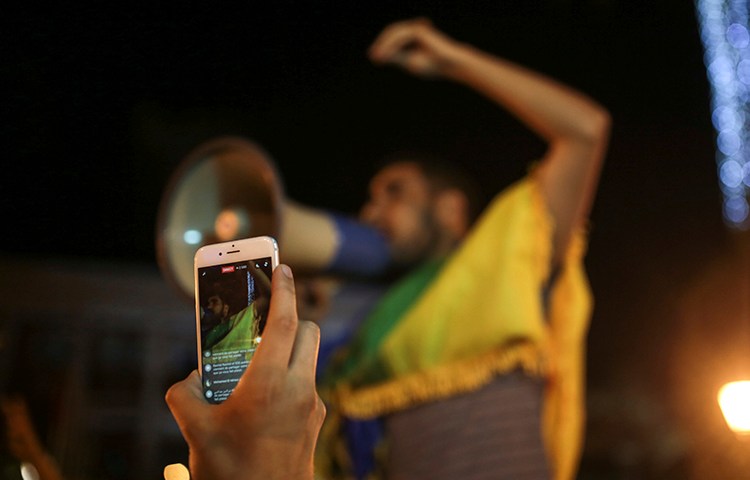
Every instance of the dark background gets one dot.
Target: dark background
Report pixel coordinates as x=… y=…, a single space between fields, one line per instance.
x=103 y=102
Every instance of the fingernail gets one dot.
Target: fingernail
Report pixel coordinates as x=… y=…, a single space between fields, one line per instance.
x=286 y=271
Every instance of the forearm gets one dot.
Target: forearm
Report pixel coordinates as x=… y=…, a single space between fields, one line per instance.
x=552 y=110
x=575 y=127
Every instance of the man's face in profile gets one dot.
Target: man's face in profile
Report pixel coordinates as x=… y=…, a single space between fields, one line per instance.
x=401 y=206
x=216 y=305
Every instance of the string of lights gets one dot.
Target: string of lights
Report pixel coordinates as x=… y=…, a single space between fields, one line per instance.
x=726 y=41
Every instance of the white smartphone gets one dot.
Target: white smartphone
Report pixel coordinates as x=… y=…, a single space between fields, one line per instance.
x=232 y=296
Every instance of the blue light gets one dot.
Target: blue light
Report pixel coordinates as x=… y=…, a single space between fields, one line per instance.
x=726 y=40
x=192 y=237
x=743 y=71
x=714 y=31
x=721 y=71
x=736 y=210
x=730 y=174
x=737 y=36
x=725 y=118
x=729 y=142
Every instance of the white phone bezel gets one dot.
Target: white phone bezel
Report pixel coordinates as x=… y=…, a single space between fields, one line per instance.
x=228 y=252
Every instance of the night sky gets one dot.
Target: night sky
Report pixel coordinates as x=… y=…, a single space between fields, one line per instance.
x=104 y=101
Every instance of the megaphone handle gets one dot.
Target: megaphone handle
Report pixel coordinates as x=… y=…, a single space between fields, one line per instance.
x=321 y=241
x=362 y=250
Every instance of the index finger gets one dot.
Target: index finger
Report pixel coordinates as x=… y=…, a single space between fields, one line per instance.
x=275 y=349
x=390 y=40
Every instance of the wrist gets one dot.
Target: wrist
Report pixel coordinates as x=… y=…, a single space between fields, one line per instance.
x=455 y=59
x=269 y=466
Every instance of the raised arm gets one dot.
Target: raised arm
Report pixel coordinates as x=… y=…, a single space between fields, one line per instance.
x=575 y=127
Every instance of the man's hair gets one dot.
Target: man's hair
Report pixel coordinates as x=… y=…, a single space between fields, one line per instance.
x=218 y=290
x=442 y=175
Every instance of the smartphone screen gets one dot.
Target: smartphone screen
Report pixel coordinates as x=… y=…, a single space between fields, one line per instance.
x=233 y=308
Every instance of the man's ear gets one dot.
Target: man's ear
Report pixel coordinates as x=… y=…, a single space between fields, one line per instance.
x=452 y=211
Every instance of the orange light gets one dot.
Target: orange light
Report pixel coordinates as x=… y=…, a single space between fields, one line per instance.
x=734 y=400
x=176 y=471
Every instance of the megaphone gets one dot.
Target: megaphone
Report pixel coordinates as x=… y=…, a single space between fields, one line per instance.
x=229 y=188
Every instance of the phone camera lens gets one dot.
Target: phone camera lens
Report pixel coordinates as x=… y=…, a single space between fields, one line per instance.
x=220 y=254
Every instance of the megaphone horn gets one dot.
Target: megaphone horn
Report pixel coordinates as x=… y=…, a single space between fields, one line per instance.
x=229 y=188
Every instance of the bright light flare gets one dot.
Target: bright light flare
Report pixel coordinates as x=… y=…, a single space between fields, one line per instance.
x=734 y=400
x=192 y=237
x=176 y=471
x=29 y=472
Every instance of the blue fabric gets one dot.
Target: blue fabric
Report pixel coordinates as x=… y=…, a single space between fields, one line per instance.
x=329 y=345
x=349 y=308
x=363 y=436
x=362 y=249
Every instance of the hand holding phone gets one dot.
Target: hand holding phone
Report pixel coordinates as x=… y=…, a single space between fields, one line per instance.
x=232 y=296
x=269 y=426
